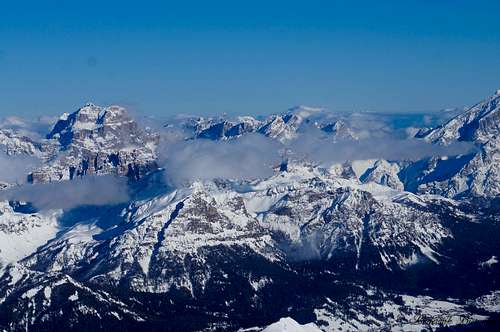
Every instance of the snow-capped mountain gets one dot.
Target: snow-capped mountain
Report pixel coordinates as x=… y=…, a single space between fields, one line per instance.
x=186 y=245
x=339 y=130
x=352 y=245
x=288 y=324
x=476 y=174
x=480 y=123
x=220 y=129
x=92 y=140
x=385 y=173
x=282 y=127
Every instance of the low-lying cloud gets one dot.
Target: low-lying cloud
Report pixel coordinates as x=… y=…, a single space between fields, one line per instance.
x=14 y=169
x=249 y=157
x=90 y=190
x=34 y=129
x=254 y=156
x=320 y=149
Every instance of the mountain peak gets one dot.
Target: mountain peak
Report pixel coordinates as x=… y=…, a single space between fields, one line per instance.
x=98 y=140
x=479 y=124
x=88 y=118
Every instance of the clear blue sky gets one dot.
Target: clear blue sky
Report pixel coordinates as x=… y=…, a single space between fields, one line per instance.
x=166 y=57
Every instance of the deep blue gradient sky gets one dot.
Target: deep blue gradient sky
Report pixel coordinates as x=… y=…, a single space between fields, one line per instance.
x=166 y=57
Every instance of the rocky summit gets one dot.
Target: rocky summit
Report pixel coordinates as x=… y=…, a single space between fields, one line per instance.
x=92 y=140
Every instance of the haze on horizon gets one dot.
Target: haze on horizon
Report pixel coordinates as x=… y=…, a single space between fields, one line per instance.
x=163 y=58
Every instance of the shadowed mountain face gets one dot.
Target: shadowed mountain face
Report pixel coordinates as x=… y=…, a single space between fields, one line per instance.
x=328 y=237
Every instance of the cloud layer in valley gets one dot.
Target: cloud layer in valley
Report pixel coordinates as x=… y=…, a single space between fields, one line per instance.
x=319 y=149
x=90 y=190
x=250 y=157
x=254 y=156
x=14 y=169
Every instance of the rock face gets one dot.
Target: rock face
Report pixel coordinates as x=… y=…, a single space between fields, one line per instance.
x=92 y=140
x=95 y=140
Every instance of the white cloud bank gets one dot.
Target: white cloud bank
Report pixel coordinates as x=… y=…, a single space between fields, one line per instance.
x=319 y=149
x=254 y=156
x=250 y=157
x=15 y=169
x=90 y=190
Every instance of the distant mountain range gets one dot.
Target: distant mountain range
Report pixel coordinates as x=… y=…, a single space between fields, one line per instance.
x=342 y=236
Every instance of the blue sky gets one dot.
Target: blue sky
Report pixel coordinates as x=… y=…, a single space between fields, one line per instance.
x=257 y=57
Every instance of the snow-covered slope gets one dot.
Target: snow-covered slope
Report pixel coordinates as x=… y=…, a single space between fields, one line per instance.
x=194 y=240
x=220 y=129
x=480 y=123
x=287 y=324
x=22 y=233
x=384 y=173
x=477 y=174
